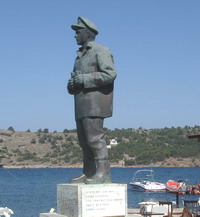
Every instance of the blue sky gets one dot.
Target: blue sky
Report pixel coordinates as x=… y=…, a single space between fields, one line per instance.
x=156 y=48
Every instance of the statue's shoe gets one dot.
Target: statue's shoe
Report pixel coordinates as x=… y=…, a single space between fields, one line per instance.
x=98 y=179
x=78 y=180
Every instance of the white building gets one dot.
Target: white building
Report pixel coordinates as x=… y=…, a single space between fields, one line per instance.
x=113 y=142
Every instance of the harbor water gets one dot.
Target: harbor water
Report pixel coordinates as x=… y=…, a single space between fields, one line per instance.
x=29 y=192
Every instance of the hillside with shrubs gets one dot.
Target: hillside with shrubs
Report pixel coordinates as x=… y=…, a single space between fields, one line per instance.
x=165 y=147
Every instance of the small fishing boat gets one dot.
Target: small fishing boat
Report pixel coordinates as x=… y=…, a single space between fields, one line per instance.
x=144 y=179
x=176 y=186
x=181 y=187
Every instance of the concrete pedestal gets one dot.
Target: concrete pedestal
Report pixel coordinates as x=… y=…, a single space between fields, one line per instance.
x=92 y=200
x=100 y=200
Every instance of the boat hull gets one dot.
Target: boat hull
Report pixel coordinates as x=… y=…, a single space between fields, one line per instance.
x=153 y=186
x=173 y=186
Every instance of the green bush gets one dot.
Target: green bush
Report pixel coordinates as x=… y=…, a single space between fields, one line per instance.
x=65 y=131
x=42 y=139
x=33 y=141
x=45 y=130
x=2 y=151
x=11 y=129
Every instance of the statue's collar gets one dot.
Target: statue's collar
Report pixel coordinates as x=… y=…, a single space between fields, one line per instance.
x=82 y=50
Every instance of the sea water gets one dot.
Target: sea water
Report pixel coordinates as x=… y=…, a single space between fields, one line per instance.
x=29 y=192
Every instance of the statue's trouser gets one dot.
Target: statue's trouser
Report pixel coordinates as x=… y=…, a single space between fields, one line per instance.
x=95 y=154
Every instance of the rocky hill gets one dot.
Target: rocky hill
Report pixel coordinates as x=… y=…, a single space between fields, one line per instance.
x=168 y=147
x=37 y=149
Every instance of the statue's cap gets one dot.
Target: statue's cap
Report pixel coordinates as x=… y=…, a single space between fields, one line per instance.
x=85 y=23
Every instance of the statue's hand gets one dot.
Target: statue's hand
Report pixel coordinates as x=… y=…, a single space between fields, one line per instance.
x=78 y=81
x=70 y=86
x=73 y=74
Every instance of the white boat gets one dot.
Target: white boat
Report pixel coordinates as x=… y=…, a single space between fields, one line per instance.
x=144 y=179
x=5 y=211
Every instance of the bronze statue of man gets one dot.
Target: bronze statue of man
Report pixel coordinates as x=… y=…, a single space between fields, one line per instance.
x=91 y=83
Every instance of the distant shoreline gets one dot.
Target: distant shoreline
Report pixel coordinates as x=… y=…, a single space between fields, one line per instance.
x=75 y=166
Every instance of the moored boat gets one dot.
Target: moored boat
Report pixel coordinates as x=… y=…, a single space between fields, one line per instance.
x=174 y=186
x=180 y=187
x=144 y=180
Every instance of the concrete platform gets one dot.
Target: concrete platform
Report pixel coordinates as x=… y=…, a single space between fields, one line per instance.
x=51 y=215
x=177 y=212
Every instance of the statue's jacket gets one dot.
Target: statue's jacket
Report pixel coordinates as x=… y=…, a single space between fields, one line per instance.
x=95 y=97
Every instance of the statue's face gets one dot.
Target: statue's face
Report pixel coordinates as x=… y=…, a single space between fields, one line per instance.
x=81 y=36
